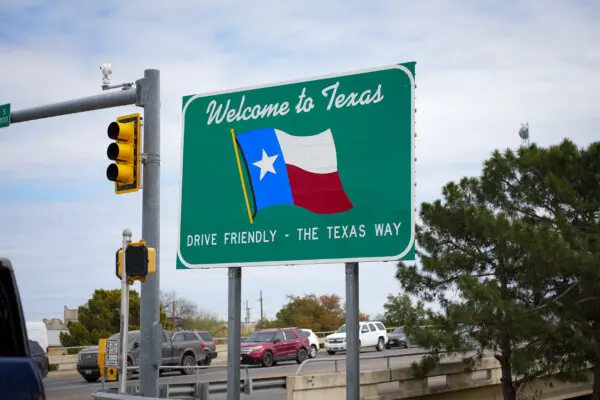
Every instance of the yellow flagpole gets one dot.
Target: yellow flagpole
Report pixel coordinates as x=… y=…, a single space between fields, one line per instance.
x=239 y=164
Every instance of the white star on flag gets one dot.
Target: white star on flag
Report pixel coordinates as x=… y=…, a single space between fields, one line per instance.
x=266 y=164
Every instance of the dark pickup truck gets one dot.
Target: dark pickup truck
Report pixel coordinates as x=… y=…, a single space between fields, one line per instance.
x=185 y=348
x=19 y=375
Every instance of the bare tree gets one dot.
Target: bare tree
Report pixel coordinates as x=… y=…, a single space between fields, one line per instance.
x=177 y=307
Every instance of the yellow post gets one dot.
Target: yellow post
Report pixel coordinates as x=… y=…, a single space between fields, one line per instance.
x=101 y=355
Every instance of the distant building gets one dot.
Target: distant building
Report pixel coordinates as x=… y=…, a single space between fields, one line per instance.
x=56 y=325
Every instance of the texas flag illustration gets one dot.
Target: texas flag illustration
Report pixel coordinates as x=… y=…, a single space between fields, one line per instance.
x=295 y=170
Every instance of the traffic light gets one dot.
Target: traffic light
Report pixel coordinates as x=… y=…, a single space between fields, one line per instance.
x=125 y=151
x=140 y=261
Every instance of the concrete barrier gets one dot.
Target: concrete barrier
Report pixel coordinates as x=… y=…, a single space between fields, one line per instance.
x=449 y=381
x=64 y=363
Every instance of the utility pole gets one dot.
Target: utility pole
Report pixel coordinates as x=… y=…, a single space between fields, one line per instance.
x=262 y=315
x=173 y=312
x=247 y=312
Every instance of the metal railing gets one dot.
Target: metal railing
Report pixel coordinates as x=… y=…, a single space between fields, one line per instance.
x=197 y=368
x=387 y=357
x=201 y=390
x=193 y=390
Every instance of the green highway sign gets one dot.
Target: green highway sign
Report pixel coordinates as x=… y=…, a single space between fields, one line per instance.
x=4 y=115
x=313 y=171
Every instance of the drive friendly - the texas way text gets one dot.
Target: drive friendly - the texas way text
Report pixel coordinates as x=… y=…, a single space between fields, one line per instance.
x=335 y=95
x=332 y=232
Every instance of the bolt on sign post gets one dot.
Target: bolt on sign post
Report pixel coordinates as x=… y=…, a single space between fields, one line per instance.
x=313 y=171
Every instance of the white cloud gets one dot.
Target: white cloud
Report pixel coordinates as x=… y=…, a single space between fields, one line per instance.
x=480 y=73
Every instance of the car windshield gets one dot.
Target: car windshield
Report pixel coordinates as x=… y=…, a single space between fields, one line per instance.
x=342 y=329
x=399 y=330
x=260 y=337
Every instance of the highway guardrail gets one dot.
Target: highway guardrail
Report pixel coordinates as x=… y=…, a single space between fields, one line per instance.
x=201 y=390
x=193 y=390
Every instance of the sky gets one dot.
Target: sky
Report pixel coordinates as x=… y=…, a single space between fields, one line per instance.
x=483 y=68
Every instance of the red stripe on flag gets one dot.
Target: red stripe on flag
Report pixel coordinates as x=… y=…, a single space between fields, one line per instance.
x=319 y=193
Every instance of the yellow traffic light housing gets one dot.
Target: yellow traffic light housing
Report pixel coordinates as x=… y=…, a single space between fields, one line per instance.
x=140 y=261
x=125 y=151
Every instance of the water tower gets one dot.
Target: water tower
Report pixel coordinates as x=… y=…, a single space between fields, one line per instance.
x=524 y=134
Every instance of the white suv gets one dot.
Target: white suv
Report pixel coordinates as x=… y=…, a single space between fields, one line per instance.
x=313 y=340
x=372 y=333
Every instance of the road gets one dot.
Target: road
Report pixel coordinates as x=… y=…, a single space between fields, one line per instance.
x=73 y=387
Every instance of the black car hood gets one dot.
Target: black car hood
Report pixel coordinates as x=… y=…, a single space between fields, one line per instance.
x=396 y=336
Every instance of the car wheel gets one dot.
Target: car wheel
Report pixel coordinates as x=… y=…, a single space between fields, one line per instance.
x=380 y=344
x=331 y=353
x=313 y=351
x=301 y=355
x=207 y=360
x=91 y=378
x=267 y=360
x=188 y=361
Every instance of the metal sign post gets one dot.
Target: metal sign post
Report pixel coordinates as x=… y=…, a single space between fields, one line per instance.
x=234 y=332
x=352 y=333
x=150 y=328
x=124 y=312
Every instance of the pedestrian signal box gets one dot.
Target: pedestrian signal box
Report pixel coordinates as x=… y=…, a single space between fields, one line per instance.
x=140 y=261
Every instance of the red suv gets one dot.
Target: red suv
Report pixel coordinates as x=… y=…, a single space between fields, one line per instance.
x=269 y=346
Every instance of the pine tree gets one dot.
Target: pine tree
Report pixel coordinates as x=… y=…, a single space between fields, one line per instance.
x=559 y=187
x=493 y=274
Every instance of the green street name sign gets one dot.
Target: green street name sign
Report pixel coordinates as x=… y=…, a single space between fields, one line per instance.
x=4 y=115
x=313 y=171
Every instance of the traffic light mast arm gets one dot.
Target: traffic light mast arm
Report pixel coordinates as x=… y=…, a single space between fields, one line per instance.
x=90 y=103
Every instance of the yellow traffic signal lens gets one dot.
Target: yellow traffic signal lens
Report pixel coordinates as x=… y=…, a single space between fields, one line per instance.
x=120 y=173
x=119 y=131
x=120 y=152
